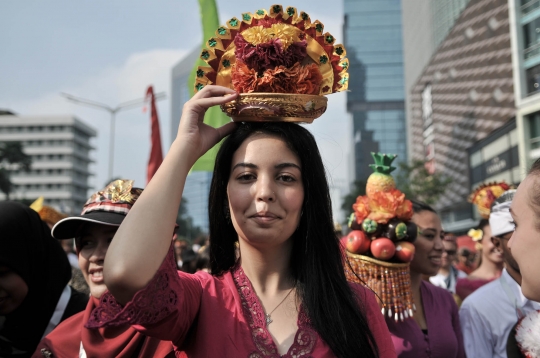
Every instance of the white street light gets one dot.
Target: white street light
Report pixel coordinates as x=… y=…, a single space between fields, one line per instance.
x=112 y=111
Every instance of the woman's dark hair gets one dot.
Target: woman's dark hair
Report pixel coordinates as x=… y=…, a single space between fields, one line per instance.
x=482 y=224
x=419 y=206
x=316 y=259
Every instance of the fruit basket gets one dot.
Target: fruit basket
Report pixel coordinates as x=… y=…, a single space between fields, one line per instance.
x=380 y=246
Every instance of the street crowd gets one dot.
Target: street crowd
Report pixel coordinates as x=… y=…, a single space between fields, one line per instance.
x=269 y=281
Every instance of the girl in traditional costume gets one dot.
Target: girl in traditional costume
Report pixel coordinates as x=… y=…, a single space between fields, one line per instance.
x=403 y=243
x=277 y=285
x=93 y=231
x=491 y=260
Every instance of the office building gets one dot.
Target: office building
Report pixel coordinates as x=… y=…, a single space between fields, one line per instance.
x=197 y=184
x=60 y=150
x=464 y=93
x=525 y=34
x=373 y=38
x=425 y=25
x=495 y=158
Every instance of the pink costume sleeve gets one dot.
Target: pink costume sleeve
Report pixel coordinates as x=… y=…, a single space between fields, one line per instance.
x=165 y=308
x=376 y=322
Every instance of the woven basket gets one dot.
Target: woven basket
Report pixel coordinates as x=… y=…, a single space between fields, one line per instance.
x=390 y=281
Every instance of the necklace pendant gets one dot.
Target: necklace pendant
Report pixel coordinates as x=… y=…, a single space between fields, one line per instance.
x=268 y=319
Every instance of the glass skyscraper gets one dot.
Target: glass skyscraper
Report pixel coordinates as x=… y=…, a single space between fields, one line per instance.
x=373 y=40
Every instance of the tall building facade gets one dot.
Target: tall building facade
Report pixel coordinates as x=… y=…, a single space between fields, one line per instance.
x=464 y=93
x=373 y=37
x=60 y=150
x=425 y=26
x=525 y=33
x=180 y=93
x=197 y=184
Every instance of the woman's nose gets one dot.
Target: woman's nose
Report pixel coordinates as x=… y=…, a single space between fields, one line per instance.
x=265 y=190
x=99 y=252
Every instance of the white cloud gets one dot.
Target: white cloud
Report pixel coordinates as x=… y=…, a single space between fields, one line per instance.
x=112 y=86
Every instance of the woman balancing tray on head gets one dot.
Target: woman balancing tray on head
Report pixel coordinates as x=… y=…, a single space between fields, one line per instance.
x=394 y=242
x=277 y=285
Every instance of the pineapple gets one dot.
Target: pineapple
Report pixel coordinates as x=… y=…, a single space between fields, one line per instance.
x=381 y=180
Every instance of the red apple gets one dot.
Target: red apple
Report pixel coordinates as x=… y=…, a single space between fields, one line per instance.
x=383 y=248
x=357 y=242
x=404 y=251
x=343 y=242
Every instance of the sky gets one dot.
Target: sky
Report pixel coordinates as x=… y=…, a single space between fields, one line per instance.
x=111 y=51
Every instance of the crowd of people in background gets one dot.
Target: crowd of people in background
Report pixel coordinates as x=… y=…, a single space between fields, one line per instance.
x=74 y=291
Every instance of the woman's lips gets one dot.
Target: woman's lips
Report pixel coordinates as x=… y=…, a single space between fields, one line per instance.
x=264 y=219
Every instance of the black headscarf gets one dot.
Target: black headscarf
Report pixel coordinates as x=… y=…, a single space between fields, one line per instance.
x=27 y=247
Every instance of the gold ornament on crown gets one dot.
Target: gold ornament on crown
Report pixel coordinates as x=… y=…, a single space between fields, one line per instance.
x=119 y=191
x=299 y=64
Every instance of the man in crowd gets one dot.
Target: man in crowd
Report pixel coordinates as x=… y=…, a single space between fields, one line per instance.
x=488 y=315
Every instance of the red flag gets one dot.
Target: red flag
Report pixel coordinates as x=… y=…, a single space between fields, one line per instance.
x=156 y=155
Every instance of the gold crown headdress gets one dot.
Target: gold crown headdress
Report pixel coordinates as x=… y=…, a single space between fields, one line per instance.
x=279 y=62
x=485 y=195
x=379 y=247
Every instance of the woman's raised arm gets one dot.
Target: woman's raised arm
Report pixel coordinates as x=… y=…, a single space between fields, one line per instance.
x=142 y=241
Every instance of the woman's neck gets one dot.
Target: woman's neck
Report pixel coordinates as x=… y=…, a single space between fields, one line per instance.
x=267 y=269
x=488 y=270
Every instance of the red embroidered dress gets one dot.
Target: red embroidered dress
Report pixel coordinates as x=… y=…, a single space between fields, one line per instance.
x=209 y=316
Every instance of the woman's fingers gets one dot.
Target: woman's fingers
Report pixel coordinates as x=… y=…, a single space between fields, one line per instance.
x=213 y=91
x=214 y=101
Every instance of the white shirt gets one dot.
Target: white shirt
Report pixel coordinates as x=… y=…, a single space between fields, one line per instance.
x=488 y=314
x=449 y=281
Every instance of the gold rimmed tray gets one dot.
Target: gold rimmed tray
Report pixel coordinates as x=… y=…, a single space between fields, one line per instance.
x=275 y=107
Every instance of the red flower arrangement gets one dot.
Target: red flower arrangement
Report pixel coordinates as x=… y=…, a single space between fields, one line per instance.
x=297 y=79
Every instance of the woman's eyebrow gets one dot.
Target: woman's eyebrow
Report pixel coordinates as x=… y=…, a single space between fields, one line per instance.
x=287 y=165
x=245 y=165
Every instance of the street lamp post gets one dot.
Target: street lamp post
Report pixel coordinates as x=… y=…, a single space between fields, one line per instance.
x=112 y=111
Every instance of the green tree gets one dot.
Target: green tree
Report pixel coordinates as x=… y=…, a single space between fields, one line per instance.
x=12 y=158
x=358 y=189
x=416 y=182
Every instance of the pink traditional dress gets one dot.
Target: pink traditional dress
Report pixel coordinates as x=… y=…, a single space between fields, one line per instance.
x=220 y=316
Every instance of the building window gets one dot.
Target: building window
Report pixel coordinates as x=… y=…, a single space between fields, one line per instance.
x=533 y=79
x=534 y=123
x=528 y=6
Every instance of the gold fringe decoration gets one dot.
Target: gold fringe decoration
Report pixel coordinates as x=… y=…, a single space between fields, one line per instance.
x=390 y=281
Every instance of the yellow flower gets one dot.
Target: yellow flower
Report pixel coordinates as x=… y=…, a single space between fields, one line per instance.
x=286 y=33
x=476 y=234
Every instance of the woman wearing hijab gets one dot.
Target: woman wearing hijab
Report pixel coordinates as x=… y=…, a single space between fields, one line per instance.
x=93 y=231
x=34 y=273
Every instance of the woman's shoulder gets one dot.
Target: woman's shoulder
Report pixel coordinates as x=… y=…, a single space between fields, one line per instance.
x=364 y=294
x=438 y=293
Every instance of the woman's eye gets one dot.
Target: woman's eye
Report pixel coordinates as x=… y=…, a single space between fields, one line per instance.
x=247 y=176
x=286 y=178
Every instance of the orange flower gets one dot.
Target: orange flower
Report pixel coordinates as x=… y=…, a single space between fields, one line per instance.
x=297 y=79
x=383 y=207
x=361 y=208
x=405 y=210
